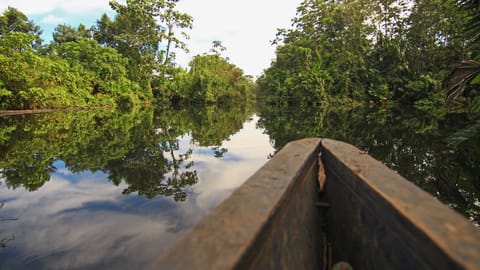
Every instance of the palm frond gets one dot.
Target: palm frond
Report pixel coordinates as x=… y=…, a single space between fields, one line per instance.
x=464 y=135
x=472 y=26
x=470 y=4
x=475 y=108
x=456 y=81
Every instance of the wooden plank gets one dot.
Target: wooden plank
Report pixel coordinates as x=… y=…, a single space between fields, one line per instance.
x=379 y=220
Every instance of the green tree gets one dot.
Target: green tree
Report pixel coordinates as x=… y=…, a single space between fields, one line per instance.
x=212 y=79
x=434 y=40
x=66 y=33
x=172 y=19
x=332 y=37
x=366 y=51
x=25 y=74
x=103 y=67
x=104 y=31
x=464 y=79
x=12 y=20
x=295 y=77
x=71 y=74
x=130 y=54
x=133 y=33
x=139 y=32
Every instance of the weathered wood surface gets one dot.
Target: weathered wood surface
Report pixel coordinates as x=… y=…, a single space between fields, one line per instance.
x=375 y=220
x=270 y=222
x=379 y=220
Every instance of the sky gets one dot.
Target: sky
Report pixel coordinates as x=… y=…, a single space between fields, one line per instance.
x=244 y=27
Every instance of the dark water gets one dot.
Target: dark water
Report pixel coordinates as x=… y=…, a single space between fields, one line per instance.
x=111 y=190
x=413 y=143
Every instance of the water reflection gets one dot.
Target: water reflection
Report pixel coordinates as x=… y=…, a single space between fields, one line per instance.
x=105 y=189
x=96 y=190
x=414 y=143
x=85 y=223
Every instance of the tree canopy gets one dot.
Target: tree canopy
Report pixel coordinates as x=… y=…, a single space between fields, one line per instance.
x=366 y=51
x=124 y=61
x=213 y=79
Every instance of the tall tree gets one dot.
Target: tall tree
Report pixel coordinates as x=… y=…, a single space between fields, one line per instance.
x=465 y=77
x=171 y=19
x=143 y=32
x=212 y=79
x=434 y=36
x=460 y=78
x=12 y=20
x=365 y=50
x=390 y=17
x=66 y=33
x=104 y=32
x=333 y=37
x=133 y=32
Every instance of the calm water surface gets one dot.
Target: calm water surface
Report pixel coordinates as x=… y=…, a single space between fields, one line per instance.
x=111 y=190
x=119 y=213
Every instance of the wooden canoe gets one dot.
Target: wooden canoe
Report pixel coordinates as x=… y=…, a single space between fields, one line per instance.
x=320 y=201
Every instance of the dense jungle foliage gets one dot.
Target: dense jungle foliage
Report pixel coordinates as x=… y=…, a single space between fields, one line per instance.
x=368 y=51
x=384 y=53
x=124 y=61
x=360 y=51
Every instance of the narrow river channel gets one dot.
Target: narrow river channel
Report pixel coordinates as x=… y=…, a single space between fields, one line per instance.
x=110 y=190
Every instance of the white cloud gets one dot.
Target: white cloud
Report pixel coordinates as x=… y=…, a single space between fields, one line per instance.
x=30 y=7
x=52 y=19
x=245 y=28
x=69 y=225
x=84 y=6
x=247 y=152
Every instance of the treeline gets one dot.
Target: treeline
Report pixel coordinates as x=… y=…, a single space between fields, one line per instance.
x=124 y=61
x=366 y=51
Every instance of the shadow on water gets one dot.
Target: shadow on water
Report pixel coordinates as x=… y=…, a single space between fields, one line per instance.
x=414 y=143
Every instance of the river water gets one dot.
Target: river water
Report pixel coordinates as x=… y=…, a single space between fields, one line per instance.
x=112 y=190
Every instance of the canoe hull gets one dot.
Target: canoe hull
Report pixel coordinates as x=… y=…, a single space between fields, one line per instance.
x=379 y=220
x=365 y=214
x=270 y=222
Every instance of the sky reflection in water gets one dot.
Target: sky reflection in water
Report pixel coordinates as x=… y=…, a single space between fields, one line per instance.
x=83 y=221
x=95 y=219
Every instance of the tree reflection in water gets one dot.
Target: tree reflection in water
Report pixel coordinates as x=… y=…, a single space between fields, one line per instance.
x=414 y=143
x=139 y=148
x=4 y=240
